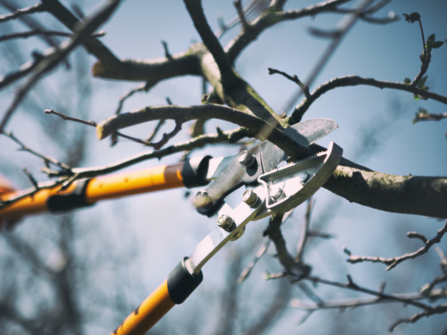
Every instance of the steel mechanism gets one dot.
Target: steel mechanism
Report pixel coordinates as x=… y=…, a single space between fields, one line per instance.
x=269 y=191
x=281 y=190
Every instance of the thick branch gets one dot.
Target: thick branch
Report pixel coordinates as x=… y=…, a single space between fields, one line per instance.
x=152 y=70
x=211 y=42
x=400 y=194
x=392 y=193
x=93 y=45
x=256 y=126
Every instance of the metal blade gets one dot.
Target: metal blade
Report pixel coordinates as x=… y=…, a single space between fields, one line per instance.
x=307 y=132
x=230 y=174
x=304 y=133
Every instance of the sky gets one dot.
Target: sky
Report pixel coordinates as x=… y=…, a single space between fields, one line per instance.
x=165 y=225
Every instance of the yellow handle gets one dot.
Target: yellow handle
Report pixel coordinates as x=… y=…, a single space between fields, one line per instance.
x=148 y=313
x=106 y=187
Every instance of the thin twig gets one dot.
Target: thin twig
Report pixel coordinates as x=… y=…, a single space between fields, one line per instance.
x=69 y=118
x=304 y=232
x=358 y=302
x=157 y=128
x=294 y=79
x=27 y=34
x=46 y=159
x=255 y=7
x=352 y=286
x=31 y=178
x=167 y=53
x=423 y=115
x=347 y=25
x=241 y=14
x=144 y=87
x=246 y=272
x=392 y=262
x=54 y=56
x=40 y=7
x=94 y=124
x=355 y=81
x=440 y=309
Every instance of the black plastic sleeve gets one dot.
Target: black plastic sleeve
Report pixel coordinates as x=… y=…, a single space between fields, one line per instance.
x=194 y=171
x=67 y=202
x=181 y=283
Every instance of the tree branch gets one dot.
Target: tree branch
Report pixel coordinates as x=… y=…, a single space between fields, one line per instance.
x=392 y=193
x=270 y=17
x=93 y=45
x=56 y=55
x=354 y=81
x=257 y=126
x=440 y=309
x=358 y=302
x=46 y=159
x=304 y=232
x=27 y=34
x=40 y=7
x=392 y=262
x=195 y=10
x=423 y=115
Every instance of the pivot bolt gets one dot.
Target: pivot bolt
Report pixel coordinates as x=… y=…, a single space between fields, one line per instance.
x=250 y=198
x=203 y=200
x=246 y=158
x=226 y=223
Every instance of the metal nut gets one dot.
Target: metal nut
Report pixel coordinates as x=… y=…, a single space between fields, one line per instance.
x=246 y=158
x=250 y=198
x=226 y=223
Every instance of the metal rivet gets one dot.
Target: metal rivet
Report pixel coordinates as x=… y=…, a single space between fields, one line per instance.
x=276 y=194
x=304 y=177
x=246 y=158
x=226 y=223
x=250 y=198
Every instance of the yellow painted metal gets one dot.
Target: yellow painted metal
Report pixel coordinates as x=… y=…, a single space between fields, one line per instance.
x=105 y=187
x=30 y=204
x=148 y=313
x=135 y=182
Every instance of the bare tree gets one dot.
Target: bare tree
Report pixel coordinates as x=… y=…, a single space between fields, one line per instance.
x=227 y=98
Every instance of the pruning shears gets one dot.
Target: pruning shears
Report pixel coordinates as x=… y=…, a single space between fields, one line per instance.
x=273 y=184
x=269 y=190
x=193 y=172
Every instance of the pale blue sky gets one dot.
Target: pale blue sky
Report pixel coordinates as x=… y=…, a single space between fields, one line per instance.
x=166 y=225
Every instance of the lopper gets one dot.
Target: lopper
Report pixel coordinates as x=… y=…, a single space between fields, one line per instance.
x=271 y=188
x=273 y=185
x=193 y=172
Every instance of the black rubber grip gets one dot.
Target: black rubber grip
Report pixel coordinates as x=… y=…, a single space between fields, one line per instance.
x=194 y=171
x=181 y=283
x=67 y=202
